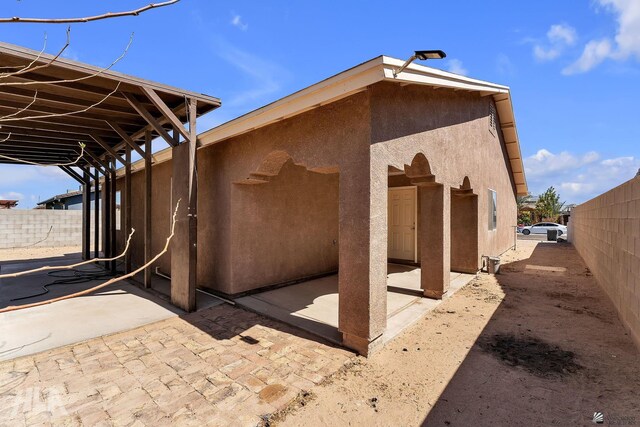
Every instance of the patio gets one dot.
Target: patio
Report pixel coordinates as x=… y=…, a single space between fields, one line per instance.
x=313 y=305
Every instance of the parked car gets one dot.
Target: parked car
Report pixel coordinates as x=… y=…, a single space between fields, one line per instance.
x=542 y=227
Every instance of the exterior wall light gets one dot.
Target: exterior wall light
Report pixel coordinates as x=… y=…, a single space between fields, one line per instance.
x=422 y=55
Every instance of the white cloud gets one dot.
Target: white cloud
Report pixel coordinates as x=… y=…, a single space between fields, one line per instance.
x=628 y=33
x=12 y=195
x=594 y=53
x=504 y=65
x=545 y=163
x=236 y=21
x=561 y=33
x=559 y=36
x=577 y=177
x=455 y=66
x=626 y=43
x=266 y=76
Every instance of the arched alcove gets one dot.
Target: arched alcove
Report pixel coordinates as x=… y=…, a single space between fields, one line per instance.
x=464 y=228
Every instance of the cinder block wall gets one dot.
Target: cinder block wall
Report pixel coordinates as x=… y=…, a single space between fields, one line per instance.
x=606 y=233
x=20 y=228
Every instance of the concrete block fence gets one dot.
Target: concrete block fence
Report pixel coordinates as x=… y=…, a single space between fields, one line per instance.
x=23 y=228
x=606 y=232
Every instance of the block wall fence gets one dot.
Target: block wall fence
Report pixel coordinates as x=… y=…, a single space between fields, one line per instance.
x=23 y=228
x=606 y=233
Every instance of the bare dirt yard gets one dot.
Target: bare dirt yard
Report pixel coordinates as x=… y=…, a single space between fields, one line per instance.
x=538 y=344
x=21 y=254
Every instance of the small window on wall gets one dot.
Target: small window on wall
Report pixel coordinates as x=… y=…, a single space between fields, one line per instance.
x=493 y=210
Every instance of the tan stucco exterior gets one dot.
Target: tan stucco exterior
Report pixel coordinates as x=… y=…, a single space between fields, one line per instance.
x=307 y=195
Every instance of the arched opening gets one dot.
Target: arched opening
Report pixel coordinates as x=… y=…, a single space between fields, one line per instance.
x=464 y=228
x=285 y=242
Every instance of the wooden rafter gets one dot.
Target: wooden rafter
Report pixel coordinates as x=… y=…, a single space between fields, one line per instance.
x=125 y=137
x=166 y=111
x=108 y=148
x=137 y=105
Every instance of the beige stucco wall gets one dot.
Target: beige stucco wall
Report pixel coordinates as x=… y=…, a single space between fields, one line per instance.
x=284 y=229
x=606 y=233
x=326 y=174
x=452 y=130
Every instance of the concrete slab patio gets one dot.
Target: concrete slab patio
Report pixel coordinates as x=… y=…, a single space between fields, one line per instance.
x=120 y=307
x=313 y=305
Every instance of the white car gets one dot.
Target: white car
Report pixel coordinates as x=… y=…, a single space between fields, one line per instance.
x=542 y=227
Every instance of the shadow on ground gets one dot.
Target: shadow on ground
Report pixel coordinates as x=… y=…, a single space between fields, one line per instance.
x=553 y=353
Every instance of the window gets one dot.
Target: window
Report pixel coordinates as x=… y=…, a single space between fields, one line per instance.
x=493 y=210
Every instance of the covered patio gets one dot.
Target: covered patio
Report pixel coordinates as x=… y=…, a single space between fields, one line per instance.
x=89 y=122
x=313 y=305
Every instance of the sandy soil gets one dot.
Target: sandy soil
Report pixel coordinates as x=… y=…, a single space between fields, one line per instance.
x=539 y=344
x=35 y=252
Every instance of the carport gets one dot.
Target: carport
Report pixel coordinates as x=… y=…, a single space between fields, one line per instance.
x=86 y=120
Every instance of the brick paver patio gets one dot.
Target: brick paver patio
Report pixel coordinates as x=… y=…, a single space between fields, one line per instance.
x=220 y=366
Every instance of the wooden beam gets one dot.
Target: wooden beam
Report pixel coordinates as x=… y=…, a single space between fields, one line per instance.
x=166 y=111
x=106 y=214
x=147 y=208
x=128 y=202
x=184 y=246
x=137 y=105
x=125 y=137
x=97 y=161
x=86 y=217
x=107 y=148
x=140 y=134
x=72 y=174
x=96 y=213
x=113 y=213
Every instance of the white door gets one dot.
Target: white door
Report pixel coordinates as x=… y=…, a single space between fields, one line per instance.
x=402 y=223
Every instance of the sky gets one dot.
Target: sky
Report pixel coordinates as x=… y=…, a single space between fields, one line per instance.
x=573 y=66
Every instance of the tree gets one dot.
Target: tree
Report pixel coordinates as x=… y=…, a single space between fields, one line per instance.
x=524 y=217
x=522 y=201
x=549 y=205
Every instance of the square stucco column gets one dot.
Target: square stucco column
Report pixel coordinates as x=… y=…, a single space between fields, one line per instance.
x=434 y=237
x=363 y=254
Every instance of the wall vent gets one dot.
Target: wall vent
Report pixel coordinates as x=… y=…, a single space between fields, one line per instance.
x=493 y=119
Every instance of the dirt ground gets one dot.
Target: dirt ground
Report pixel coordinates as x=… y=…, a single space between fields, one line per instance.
x=539 y=344
x=17 y=254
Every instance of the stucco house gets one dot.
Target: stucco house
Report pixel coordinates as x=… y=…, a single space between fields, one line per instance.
x=364 y=168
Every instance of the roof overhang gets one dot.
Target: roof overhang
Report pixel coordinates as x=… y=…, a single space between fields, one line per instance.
x=357 y=79
x=49 y=105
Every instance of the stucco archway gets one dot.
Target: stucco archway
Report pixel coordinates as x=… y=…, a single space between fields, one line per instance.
x=464 y=228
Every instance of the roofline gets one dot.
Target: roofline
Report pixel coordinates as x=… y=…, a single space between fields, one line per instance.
x=357 y=79
x=29 y=54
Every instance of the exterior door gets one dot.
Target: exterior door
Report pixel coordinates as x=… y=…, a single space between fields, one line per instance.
x=402 y=223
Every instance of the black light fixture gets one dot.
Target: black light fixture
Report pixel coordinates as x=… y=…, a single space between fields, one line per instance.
x=422 y=55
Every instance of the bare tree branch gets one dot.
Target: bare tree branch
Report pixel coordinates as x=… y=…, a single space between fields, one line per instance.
x=44 y=47
x=27 y=162
x=97 y=73
x=31 y=67
x=107 y=283
x=21 y=110
x=7 y=138
x=72 y=266
x=9 y=117
x=136 y=12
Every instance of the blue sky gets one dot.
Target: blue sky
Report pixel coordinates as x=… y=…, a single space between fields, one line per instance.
x=573 y=66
